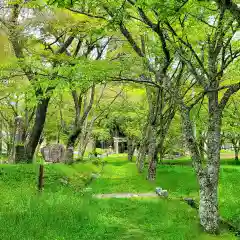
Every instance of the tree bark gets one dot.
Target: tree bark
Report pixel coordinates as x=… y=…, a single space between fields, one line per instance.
x=201 y=146
x=37 y=129
x=38 y=147
x=236 y=151
x=152 y=166
x=70 y=145
x=82 y=146
x=1 y=137
x=209 y=200
x=208 y=175
x=208 y=205
x=152 y=154
x=9 y=148
x=94 y=145
x=141 y=156
x=131 y=149
x=142 y=150
x=82 y=150
x=161 y=150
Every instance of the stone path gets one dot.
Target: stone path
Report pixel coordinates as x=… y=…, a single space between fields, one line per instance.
x=125 y=195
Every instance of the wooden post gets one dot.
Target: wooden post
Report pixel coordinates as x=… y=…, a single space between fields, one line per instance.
x=40 y=177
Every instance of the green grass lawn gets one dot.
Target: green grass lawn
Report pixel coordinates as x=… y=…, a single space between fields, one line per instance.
x=64 y=212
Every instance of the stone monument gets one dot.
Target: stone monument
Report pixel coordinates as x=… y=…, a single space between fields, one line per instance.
x=53 y=153
x=19 y=151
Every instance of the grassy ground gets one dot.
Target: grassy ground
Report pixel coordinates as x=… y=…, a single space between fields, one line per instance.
x=64 y=212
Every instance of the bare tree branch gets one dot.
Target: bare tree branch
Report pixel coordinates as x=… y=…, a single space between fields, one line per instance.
x=87 y=14
x=130 y=39
x=189 y=46
x=139 y=81
x=231 y=6
x=231 y=90
x=4 y=97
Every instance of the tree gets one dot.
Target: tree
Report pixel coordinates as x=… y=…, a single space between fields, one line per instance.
x=206 y=59
x=231 y=6
x=156 y=71
x=173 y=143
x=208 y=63
x=129 y=115
x=79 y=104
x=13 y=28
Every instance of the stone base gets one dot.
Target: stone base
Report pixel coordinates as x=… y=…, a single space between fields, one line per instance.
x=19 y=154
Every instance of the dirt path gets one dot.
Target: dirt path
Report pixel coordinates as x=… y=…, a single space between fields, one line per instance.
x=126 y=195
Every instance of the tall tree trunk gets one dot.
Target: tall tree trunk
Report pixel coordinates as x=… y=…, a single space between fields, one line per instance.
x=201 y=146
x=1 y=137
x=142 y=150
x=83 y=145
x=161 y=150
x=208 y=205
x=131 y=149
x=94 y=145
x=11 y=143
x=9 y=148
x=82 y=149
x=141 y=156
x=38 y=147
x=70 y=145
x=152 y=154
x=37 y=129
x=208 y=209
x=84 y=139
x=207 y=175
x=236 y=151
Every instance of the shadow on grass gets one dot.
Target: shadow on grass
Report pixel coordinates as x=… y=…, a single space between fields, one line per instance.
x=117 y=163
x=187 y=162
x=66 y=217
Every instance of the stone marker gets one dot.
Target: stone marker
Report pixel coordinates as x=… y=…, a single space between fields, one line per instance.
x=161 y=192
x=158 y=190
x=19 y=151
x=53 y=153
x=191 y=202
x=164 y=193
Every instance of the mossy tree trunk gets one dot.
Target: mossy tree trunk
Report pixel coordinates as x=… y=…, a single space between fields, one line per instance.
x=131 y=146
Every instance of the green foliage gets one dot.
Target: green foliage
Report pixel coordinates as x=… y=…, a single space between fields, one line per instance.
x=43 y=71
x=174 y=142
x=62 y=213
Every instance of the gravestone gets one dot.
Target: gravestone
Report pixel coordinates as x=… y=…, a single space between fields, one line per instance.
x=19 y=151
x=53 y=153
